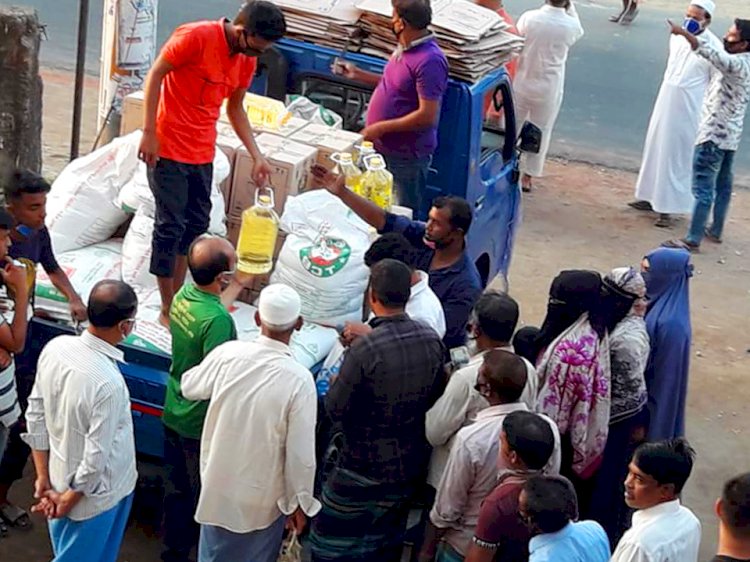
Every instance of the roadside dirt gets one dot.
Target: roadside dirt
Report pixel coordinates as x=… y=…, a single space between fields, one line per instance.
x=576 y=218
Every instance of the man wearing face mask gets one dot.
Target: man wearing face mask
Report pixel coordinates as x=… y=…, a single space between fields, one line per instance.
x=473 y=465
x=491 y=325
x=404 y=111
x=80 y=430
x=200 y=66
x=719 y=132
x=440 y=248
x=664 y=180
x=198 y=323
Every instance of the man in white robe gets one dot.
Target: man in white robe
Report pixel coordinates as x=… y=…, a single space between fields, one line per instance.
x=550 y=31
x=664 y=181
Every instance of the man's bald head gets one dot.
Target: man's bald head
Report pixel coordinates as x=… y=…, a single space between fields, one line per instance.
x=111 y=302
x=505 y=372
x=209 y=257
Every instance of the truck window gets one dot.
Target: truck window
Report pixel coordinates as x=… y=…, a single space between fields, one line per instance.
x=498 y=135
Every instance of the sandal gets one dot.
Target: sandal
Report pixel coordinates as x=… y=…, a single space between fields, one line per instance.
x=15 y=517
x=640 y=206
x=630 y=14
x=711 y=237
x=682 y=244
x=664 y=221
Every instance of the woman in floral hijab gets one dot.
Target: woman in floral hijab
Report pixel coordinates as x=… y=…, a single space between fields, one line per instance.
x=629 y=351
x=574 y=378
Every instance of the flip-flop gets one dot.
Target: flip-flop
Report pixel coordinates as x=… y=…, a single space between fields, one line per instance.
x=682 y=244
x=711 y=238
x=640 y=206
x=15 y=517
x=630 y=14
x=663 y=222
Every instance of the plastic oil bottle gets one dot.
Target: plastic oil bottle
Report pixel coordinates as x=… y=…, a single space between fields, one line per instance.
x=266 y=113
x=352 y=174
x=258 y=233
x=378 y=182
x=364 y=150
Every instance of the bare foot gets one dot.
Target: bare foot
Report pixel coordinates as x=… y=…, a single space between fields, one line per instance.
x=526 y=183
x=164 y=319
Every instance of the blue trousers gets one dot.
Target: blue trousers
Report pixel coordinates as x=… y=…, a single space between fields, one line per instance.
x=219 y=545
x=94 y=540
x=712 y=185
x=410 y=181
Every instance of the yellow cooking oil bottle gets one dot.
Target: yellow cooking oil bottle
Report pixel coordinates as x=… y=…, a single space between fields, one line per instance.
x=258 y=233
x=265 y=112
x=377 y=182
x=363 y=151
x=352 y=174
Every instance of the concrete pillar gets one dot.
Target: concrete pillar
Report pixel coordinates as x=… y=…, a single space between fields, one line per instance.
x=20 y=90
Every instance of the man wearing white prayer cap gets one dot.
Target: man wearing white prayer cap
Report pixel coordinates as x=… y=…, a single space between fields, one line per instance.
x=665 y=180
x=258 y=442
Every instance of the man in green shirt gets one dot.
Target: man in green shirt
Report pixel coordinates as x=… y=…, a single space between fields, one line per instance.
x=199 y=322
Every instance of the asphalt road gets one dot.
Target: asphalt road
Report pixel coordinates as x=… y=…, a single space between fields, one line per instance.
x=614 y=72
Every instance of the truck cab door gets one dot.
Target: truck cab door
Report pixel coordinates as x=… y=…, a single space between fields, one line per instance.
x=495 y=192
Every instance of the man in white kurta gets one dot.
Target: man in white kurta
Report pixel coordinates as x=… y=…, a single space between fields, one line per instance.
x=257 y=459
x=664 y=181
x=549 y=31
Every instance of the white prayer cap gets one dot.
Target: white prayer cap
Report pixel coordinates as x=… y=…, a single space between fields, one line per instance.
x=279 y=305
x=708 y=5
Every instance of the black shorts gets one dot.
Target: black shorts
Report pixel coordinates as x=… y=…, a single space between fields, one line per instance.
x=182 y=193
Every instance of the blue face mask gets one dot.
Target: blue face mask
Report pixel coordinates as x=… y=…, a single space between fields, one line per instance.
x=692 y=26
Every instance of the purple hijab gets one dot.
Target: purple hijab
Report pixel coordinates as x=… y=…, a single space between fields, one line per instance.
x=668 y=325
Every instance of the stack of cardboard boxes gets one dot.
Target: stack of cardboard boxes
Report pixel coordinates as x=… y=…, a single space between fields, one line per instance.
x=291 y=151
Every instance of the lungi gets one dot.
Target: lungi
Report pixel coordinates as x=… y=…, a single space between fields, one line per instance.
x=361 y=519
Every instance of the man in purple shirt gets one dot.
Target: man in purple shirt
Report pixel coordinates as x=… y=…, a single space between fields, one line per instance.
x=404 y=111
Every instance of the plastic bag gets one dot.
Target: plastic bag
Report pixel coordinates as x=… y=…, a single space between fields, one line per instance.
x=81 y=207
x=136 y=253
x=291 y=549
x=323 y=257
x=306 y=109
x=136 y=194
x=330 y=368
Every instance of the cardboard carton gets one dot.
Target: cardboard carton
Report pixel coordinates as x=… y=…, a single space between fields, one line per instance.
x=228 y=142
x=291 y=163
x=327 y=140
x=132 y=113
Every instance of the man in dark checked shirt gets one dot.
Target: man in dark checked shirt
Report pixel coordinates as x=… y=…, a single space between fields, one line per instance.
x=389 y=379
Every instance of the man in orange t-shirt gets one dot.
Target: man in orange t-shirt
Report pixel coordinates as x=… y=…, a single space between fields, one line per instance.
x=202 y=64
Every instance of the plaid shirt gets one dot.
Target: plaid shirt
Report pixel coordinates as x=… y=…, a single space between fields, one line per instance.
x=388 y=381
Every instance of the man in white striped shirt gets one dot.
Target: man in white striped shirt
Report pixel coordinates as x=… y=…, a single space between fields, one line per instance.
x=13 y=335
x=80 y=431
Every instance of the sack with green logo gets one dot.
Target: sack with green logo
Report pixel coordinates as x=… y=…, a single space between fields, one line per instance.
x=323 y=257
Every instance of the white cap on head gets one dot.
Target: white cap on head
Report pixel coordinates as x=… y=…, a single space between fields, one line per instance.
x=279 y=305
x=708 y=5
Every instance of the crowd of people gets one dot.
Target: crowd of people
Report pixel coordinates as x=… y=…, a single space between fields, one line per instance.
x=562 y=442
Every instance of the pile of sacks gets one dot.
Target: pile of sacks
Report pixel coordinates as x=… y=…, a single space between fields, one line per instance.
x=91 y=201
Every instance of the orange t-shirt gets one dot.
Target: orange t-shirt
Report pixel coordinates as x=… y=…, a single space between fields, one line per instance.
x=204 y=76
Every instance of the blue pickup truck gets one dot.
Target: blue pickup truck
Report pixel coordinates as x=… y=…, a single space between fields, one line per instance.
x=474 y=161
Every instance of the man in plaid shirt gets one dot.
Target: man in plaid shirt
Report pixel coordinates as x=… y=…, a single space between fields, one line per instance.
x=388 y=380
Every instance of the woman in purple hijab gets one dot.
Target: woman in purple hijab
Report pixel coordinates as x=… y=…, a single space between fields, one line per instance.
x=667 y=272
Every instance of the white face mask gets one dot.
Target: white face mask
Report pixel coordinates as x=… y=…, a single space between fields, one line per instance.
x=471 y=345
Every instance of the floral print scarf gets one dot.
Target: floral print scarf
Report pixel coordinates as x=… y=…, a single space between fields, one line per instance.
x=575 y=384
